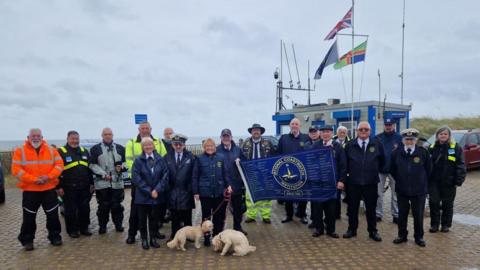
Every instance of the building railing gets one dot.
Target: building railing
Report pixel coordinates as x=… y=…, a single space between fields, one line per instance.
x=6 y=157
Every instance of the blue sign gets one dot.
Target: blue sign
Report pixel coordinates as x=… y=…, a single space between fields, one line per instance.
x=140 y=118
x=302 y=176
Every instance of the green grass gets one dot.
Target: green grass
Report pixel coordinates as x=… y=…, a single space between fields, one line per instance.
x=10 y=181
x=427 y=125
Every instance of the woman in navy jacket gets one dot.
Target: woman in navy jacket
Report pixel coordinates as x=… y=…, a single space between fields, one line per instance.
x=150 y=177
x=210 y=181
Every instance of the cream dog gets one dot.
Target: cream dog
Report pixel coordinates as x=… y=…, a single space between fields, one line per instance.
x=231 y=239
x=193 y=233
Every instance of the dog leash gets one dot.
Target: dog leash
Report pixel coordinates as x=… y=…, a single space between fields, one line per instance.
x=226 y=199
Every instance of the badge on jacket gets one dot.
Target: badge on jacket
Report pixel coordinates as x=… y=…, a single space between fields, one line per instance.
x=451 y=151
x=84 y=157
x=219 y=164
x=68 y=159
x=416 y=159
x=187 y=161
x=371 y=149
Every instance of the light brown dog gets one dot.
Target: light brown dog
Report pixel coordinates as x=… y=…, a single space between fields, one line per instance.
x=193 y=233
x=231 y=239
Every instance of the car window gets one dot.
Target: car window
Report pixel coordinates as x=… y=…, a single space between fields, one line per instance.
x=473 y=138
x=459 y=138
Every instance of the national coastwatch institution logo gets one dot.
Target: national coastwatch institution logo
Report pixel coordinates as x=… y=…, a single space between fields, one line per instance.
x=289 y=172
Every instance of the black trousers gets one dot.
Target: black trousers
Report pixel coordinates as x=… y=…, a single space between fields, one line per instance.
x=417 y=203
x=441 y=200
x=180 y=218
x=301 y=209
x=208 y=206
x=133 y=218
x=327 y=208
x=110 y=201
x=148 y=216
x=31 y=201
x=238 y=208
x=77 y=209
x=369 y=194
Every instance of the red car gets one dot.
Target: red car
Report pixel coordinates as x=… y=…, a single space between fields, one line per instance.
x=469 y=140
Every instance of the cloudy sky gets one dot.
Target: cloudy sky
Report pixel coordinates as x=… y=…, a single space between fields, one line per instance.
x=200 y=66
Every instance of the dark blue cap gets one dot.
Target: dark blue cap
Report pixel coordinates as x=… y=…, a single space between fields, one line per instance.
x=388 y=121
x=326 y=127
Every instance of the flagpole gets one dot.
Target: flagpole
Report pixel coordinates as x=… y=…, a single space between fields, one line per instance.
x=403 y=49
x=353 y=46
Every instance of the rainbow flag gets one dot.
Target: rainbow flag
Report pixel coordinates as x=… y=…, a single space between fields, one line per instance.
x=358 y=54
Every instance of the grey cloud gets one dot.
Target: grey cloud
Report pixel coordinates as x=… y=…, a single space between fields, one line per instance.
x=102 y=10
x=233 y=36
x=74 y=86
x=27 y=97
x=32 y=60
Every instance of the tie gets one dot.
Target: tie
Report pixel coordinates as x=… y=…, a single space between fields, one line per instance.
x=178 y=159
x=255 y=151
x=363 y=146
x=409 y=151
x=324 y=143
x=151 y=163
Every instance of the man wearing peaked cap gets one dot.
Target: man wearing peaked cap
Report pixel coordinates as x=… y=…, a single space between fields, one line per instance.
x=180 y=200
x=410 y=166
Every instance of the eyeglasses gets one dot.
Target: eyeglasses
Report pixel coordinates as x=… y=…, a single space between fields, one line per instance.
x=409 y=139
x=363 y=129
x=177 y=144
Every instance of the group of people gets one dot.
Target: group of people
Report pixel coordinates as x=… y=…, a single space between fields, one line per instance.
x=167 y=180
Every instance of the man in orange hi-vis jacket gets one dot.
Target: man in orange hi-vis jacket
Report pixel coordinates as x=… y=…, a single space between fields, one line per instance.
x=37 y=167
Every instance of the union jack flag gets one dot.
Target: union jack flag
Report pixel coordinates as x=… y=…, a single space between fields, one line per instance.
x=346 y=22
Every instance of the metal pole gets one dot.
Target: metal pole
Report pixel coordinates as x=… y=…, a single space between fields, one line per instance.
x=353 y=44
x=308 y=72
x=280 y=92
x=379 y=94
x=403 y=49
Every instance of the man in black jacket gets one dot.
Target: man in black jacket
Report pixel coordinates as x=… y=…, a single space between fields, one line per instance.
x=76 y=186
x=232 y=152
x=290 y=143
x=180 y=200
x=329 y=207
x=365 y=159
x=410 y=167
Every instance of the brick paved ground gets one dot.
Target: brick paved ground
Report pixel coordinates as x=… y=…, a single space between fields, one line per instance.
x=279 y=246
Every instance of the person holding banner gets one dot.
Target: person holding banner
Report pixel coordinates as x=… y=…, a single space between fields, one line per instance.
x=232 y=152
x=290 y=143
x=253 y=148
x=210 y=183
x=329 y=207
x=365 y=160
x=314 y=136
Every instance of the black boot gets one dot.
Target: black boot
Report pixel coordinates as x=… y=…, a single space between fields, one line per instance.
x=206 y=240
x=145 y=243
x=130 y=239
x=154 y=243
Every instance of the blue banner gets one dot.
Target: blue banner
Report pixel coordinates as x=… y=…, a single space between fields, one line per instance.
x=302 y=176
